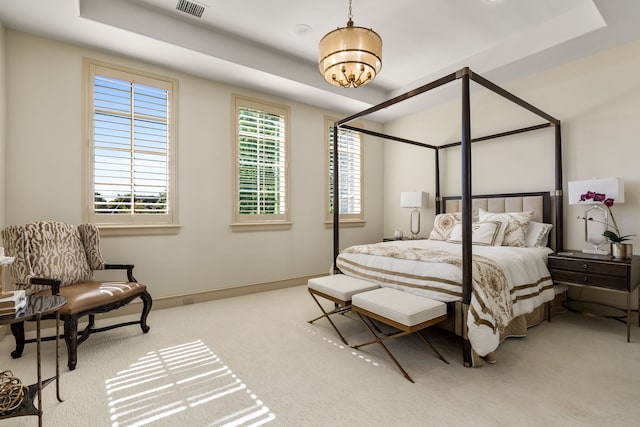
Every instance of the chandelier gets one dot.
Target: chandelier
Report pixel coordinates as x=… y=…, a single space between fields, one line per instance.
x=350 y=56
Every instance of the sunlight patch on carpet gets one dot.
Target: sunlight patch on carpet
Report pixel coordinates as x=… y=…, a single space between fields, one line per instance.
x=187 y=382
x=341 y=346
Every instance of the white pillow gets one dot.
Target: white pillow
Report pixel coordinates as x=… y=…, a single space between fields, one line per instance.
x=537 y=234
x=443 y=224
x=516 y=225
x=482 y=233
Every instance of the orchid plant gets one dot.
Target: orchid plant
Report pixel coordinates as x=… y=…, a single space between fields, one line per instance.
x=614 y=235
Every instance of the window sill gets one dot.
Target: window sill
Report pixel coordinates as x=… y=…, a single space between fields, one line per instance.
x=137 y=230
x=260 y=226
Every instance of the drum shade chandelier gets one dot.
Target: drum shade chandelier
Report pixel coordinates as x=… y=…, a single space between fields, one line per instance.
x=350 y=56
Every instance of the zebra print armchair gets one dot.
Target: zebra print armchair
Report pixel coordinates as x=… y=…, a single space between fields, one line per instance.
x=60 y=259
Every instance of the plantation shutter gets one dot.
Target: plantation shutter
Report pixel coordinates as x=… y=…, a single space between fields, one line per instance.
x=349 y=169
x=261 y=162
x=131 y=144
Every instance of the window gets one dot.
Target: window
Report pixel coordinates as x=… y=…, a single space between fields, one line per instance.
x=131 y=134
x=350 y=175
x=261 y=195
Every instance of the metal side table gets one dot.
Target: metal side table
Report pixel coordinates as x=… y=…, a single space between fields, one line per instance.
x=37 y=306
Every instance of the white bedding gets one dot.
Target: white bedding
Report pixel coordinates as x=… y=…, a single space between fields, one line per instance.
x=508 y=281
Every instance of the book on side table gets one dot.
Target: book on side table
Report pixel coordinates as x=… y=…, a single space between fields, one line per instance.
x=13 y=302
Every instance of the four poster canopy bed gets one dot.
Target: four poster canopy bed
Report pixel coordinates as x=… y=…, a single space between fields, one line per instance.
x=486 y=255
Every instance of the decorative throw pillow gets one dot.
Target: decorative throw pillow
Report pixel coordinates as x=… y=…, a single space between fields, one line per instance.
x=443 y=224
x=482 y=233
x=515 y=228
x=537 y=234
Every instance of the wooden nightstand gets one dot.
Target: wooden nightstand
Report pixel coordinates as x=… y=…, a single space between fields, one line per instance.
x=576 y=268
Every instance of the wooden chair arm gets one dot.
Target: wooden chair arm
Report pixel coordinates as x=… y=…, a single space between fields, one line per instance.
x=128 y=267
x=54 y=283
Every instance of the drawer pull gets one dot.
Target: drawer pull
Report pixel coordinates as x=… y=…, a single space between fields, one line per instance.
x=585 y=279
x=585 y=266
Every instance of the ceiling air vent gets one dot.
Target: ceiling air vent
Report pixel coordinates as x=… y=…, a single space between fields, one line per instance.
x=191 y=8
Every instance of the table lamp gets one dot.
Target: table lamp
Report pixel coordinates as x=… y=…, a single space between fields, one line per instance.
x=414 y=200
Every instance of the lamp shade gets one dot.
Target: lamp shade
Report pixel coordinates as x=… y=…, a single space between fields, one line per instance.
x=413 y=199
x=611 y=187
x=350 y=56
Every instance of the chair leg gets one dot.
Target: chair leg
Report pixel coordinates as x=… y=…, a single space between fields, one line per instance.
x=146 y=308
x=17 y=329
x=71 y=339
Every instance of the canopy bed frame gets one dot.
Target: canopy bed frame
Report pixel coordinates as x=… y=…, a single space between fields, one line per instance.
x=465 y=75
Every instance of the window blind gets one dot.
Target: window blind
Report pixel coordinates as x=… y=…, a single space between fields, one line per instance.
x=261 y=162
x=130 y=140
x=349 y=169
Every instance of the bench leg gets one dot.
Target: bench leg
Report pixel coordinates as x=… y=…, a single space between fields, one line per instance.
x=440 y=356
x=326 y=314
x=380 y=341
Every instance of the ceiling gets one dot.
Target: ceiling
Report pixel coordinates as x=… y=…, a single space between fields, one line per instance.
x=271 y=46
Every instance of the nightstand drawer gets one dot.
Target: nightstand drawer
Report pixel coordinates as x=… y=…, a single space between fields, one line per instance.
x=609 y=269
x=589 y=279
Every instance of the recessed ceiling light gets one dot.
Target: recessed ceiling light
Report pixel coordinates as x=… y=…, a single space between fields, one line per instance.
x=301 y=29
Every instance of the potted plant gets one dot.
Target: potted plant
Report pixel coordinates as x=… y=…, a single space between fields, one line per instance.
x=619 y=249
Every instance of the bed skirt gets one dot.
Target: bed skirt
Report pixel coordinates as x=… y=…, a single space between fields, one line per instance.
x=517 y=327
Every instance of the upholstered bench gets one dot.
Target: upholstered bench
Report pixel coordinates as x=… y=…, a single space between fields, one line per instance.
x=404 y=311
x=338 y=288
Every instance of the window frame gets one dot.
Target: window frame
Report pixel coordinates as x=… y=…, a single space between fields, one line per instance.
x=346 y=219
x=260 y=221
x=131 y=223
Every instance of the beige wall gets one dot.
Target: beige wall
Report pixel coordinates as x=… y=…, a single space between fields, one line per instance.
x=44 y=176
x=596 y=98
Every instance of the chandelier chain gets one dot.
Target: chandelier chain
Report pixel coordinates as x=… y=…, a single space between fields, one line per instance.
x=350 y=14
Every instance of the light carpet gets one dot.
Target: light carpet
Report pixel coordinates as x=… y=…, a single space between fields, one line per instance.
x=254 y=360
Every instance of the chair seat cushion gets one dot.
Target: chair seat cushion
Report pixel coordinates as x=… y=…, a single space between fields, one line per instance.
x=93 y=294
x=399 y=306
x=340 y=286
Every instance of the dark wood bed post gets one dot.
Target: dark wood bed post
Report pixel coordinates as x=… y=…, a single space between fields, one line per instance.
x=438 y=199
x=336 y=200
x=467 y=266
x=559 y=195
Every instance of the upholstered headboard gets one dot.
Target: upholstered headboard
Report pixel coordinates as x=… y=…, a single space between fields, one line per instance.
x=539 y=203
